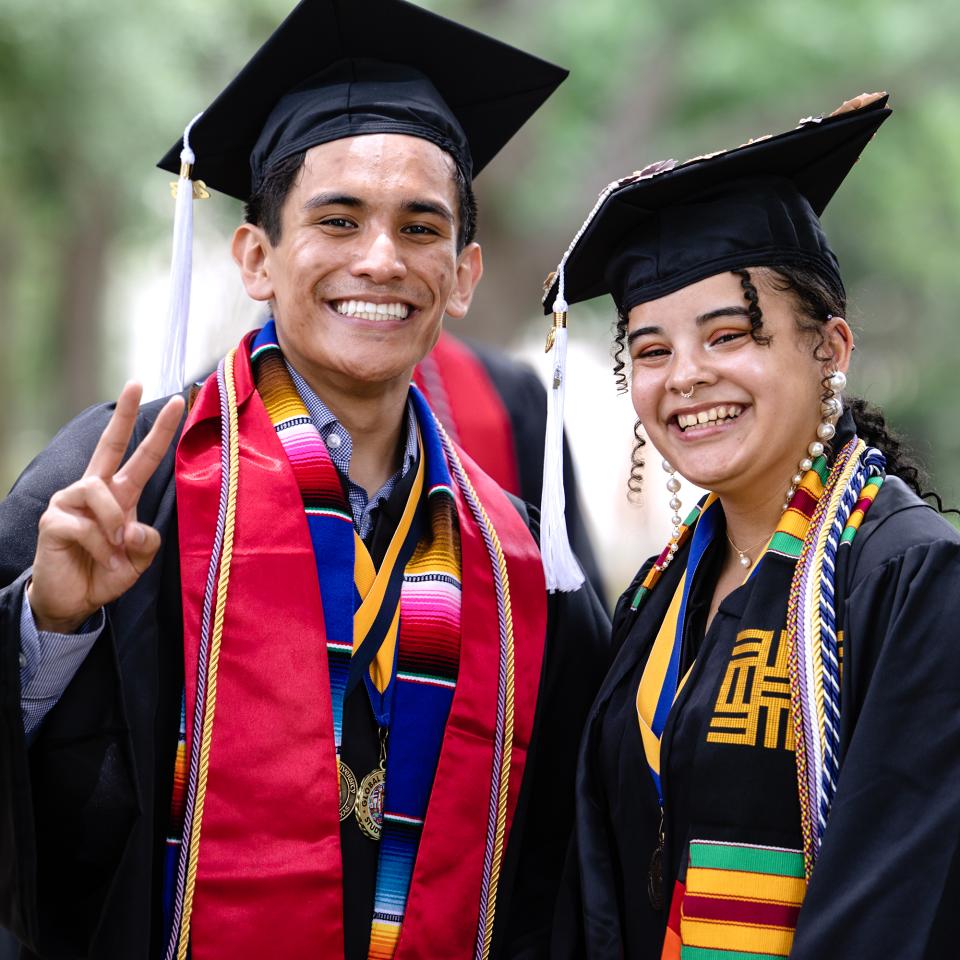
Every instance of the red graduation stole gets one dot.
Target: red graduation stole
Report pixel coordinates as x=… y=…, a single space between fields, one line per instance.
x=458 y=388
x=269 y=877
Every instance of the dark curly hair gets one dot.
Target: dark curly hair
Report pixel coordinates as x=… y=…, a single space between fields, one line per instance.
x=264 y=206
x=816 y=301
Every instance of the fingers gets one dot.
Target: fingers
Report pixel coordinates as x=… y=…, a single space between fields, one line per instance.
x=132 y=477
x=115 y=438
x=72 y=529
x=92 y=496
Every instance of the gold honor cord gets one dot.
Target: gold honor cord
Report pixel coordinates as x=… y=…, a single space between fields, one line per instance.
x=210 y=702
x=507 y=757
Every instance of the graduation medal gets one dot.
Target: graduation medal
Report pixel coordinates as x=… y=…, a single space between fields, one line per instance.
x=348 y=789
x=369 y=803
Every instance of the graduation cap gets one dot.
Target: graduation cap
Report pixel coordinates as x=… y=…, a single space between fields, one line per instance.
x=344 y=68
x=671 y=224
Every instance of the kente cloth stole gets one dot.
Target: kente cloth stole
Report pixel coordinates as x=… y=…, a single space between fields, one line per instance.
x=412 y=677
x=822 y=519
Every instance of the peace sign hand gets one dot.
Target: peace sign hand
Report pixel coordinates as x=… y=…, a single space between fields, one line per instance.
x=90 y=547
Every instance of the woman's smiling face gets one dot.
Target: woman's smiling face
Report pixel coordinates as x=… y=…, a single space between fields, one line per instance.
x=755 y=406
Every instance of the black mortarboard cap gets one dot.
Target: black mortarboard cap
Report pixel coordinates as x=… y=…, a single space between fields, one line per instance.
x=670 y=224
x=341 y=68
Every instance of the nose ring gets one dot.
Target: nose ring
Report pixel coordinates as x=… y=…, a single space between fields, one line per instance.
x=688 y=394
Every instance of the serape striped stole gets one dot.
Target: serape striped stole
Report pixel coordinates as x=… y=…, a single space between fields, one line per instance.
x=415 y=669
x=259 y=871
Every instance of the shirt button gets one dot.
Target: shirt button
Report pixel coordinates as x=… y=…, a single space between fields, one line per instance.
x=334 y=441
x=23 y=660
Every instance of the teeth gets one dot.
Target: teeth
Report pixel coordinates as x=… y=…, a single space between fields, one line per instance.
x=365 y=310
x=726 y=412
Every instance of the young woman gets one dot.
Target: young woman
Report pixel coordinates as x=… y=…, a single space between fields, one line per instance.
x=772 y=767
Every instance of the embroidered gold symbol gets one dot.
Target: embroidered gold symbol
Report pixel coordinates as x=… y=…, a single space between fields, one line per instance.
x=753 y=705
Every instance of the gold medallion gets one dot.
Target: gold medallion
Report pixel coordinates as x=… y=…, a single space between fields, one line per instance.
x=369 y=805
x=348 y=790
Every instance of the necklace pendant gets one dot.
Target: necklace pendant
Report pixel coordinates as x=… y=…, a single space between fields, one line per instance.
x=744 y=560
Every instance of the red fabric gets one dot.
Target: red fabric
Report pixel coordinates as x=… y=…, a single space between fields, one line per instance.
x=741 y=911
x=671 y=939
x=481 y=423
x=269 y=878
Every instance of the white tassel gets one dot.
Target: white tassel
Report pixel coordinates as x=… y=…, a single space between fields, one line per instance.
x=560 y=566
x=174 y=356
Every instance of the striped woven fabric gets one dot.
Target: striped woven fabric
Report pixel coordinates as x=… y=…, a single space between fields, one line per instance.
x=740 y=900
x=427 y=659
x=428 y=643
x=427 y=649
x=788 y=538
x=663 y=561
x=175 y=829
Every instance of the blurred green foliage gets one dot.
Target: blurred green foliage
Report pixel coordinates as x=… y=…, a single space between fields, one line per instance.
x=92 y=92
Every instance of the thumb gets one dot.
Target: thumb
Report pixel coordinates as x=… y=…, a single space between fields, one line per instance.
x=141 y=543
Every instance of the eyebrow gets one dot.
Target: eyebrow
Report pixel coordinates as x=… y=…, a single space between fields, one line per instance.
x=427 y=206
x=700 y=320
x=332 y=200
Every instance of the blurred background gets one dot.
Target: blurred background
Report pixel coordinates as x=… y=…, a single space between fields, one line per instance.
x=92 y=93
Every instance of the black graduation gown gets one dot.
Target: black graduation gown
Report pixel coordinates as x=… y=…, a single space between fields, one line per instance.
x=84 y=810
x=887 y=883
x=525 y=399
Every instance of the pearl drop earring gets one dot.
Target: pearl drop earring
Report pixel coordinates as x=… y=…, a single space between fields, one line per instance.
x=673 y=488
x=830 y=410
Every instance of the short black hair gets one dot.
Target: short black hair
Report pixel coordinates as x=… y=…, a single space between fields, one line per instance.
x=264 y=207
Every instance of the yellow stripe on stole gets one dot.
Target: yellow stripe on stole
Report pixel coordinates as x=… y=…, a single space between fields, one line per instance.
x=372 y=586
x=739 y=937
x=856 y=518
x=742 y=885
x=794 y=522
x=651 y=683
x=384 y=935
x=812 y=484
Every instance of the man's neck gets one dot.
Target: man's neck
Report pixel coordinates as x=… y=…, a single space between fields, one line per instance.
x=374 y=417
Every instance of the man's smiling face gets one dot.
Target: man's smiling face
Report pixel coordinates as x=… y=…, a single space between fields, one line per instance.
x=366 y=262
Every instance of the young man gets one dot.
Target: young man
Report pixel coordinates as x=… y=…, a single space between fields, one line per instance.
x=345 y=620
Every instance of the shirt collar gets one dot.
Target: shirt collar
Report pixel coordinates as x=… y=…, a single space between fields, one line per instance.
x=335 y=435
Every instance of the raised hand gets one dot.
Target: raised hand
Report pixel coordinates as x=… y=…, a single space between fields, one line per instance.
x=90 y=547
